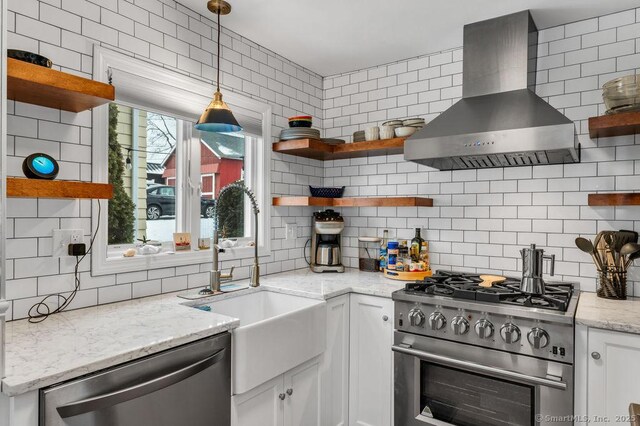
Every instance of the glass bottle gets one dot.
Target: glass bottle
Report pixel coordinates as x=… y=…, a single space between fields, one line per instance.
x=403 y=257
x=416 y=244
x=424 y=255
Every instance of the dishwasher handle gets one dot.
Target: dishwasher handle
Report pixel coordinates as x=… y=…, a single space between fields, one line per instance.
x=127 y=394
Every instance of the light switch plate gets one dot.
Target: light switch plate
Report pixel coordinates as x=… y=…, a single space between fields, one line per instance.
x=62 y=238
x=291 y=230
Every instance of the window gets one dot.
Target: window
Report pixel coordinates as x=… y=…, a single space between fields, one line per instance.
x=167 y=175
x=145 y=143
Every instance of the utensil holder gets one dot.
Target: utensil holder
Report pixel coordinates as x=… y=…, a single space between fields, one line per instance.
x=611 y=285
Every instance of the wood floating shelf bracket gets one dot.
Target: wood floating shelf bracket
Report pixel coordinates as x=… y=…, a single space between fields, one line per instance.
x=618 y=199
x=34 y=84
x=621 y=124
x=36 y=188
x=318 y=150
x=302 y=201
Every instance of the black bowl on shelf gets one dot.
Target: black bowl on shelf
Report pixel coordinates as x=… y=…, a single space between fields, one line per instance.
x=326 y=191
x=300 y=123
x=32 y=58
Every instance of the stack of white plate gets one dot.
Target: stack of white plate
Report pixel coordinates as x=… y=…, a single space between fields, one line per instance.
x=393 y=123
x=299 y=133
x=414 y=122
x=359 y=136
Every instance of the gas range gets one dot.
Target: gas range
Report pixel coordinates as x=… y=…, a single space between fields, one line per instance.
x=452 y=306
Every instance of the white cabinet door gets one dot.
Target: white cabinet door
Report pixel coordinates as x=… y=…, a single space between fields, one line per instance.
x=334 y=368
x=261 y=406
x=302 y=389
x=613 y=375
x=371 y=368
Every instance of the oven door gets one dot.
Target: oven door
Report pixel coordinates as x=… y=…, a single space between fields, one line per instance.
x=442 y=383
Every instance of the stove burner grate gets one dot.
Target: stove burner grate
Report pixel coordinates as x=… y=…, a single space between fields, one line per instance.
x=466 y=286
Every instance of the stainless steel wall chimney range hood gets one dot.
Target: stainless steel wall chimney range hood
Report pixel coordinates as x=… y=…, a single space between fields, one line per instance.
x=500 y=121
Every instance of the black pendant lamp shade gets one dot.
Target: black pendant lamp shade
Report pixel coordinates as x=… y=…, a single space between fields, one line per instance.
x=217 y=117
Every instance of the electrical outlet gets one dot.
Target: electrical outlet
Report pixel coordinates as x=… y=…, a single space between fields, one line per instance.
x=291 y=230
x=62 y=238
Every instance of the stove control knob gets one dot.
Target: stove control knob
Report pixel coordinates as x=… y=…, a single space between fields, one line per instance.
x=416 y=317
x=538 y=338
x=484 y=329
x=460 y=325
x=437 y=321
x=510 y=333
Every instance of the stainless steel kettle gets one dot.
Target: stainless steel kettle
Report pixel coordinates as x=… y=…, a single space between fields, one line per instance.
x=532 y=265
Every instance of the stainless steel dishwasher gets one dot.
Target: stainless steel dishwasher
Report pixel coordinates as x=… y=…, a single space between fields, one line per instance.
x=189 y=385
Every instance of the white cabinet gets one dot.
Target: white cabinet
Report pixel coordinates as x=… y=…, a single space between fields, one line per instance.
x=370 y=361
x=259 y=406
x=334 y=369
x=613 y=375
x=302 y=390
x=291 y=399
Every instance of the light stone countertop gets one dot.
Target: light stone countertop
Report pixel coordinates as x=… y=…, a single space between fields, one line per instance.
x=617 y=315
x=75 y=343
x=79 y=342
x=303 y=282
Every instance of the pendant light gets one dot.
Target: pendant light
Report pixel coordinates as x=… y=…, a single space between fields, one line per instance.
x=217 y=117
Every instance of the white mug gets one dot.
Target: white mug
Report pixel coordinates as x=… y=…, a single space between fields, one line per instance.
x=387 y=132
x=372 y=134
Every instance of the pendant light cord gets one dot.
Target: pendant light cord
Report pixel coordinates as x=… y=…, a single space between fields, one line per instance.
x=218 y=79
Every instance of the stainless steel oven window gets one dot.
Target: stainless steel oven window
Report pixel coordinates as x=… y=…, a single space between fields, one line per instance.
x=467 y=399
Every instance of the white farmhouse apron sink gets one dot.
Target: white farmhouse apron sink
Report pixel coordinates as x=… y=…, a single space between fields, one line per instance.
x=277 y=332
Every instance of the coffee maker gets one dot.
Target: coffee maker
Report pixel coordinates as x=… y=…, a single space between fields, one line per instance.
x=532 y=264
x=326 y=242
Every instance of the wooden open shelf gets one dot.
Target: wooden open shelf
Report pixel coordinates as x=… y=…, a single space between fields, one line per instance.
x=37 y=188
x=43 y=86
x=618 y=199
x=318 y=150
x=624 y=123
x=353 y=202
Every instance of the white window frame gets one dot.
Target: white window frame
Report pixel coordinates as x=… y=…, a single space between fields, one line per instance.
x=188 y=93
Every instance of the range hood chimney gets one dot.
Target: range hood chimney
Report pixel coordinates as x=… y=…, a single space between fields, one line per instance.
x=500 y=121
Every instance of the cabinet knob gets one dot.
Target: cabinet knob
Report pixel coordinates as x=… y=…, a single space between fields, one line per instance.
x=595 y=355
x=289 y=391
x=385 y=318
x=282 y=396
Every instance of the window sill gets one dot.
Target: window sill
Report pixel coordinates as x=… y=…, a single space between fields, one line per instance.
x=120 y=264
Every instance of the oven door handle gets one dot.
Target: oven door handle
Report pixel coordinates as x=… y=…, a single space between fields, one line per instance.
x=472 y=366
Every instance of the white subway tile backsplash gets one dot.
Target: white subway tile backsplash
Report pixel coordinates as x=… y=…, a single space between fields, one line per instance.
x=617 y=19
x=581 y=27
x=629 y=32
x=599 y=38
x=481 y=218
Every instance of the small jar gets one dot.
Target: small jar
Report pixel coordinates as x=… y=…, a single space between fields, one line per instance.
x=369 y=254
x=392 y=255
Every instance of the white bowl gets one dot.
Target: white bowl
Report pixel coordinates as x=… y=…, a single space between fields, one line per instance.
x=405 y=131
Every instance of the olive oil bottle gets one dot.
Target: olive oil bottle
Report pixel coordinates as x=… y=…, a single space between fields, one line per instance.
x=416 y=245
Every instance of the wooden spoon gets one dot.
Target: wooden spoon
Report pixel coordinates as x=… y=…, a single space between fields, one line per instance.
x=489 y=280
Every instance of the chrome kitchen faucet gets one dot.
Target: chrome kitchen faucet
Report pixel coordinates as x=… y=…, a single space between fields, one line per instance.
x=216 y=274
